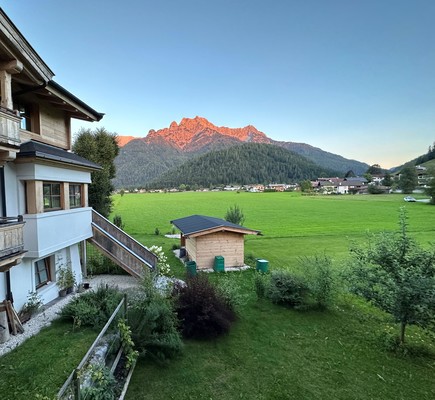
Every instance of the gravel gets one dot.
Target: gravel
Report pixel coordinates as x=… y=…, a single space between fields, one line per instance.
x=50 y=311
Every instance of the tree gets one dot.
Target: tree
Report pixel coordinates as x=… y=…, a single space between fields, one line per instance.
x=100 y=147
x=235 y=215
x=375 y=169
x=408 y=179
x=430 y=190
x=387 y=181
x=397 y=275
x=306 y=186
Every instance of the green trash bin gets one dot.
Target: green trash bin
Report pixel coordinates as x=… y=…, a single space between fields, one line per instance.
x=219 y=264
x=191 y=268
x=262 y=265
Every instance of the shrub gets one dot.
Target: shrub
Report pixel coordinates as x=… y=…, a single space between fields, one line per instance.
x=202 y=310
x=163 y=267
x=92 y=308
x=117 y=220
x=235 y=215
x=250 y=259
x=99 y=264
x=261 y=282
x=286 y=288
x=154 y=324
x=231 y=292
x=321 y=279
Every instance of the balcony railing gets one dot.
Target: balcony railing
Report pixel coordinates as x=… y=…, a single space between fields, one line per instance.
x=9 y=127
x=11 y=241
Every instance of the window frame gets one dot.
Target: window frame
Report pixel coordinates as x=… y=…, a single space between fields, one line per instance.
x=51 y=196
x=46 y=270
x=73 y=196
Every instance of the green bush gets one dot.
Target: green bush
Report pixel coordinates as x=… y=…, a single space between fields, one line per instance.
x=202 y=310
x=230 y=290
x=261 y=283
x=98 y=264
x=92 y=308
x=250 y=259
x=154 y=323
x=287 y=289
x=321 y=279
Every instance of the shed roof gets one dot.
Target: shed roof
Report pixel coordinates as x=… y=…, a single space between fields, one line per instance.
x=196 y=225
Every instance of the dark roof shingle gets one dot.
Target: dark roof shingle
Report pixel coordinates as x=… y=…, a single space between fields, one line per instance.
x=197 y=223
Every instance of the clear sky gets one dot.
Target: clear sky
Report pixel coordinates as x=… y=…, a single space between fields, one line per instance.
x=353 y=77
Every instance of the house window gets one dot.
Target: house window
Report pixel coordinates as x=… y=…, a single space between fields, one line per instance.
x=26 y=117
x=75 y=195
x=42 y=272
x=51 y=196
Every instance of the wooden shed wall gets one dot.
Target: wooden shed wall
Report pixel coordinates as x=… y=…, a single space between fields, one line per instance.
x=229 y=245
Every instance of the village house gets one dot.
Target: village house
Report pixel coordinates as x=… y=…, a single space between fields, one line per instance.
x=44 y=213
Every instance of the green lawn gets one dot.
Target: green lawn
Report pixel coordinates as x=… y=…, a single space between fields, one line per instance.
x=271 y=352
x=277 y=353
x=292 y=225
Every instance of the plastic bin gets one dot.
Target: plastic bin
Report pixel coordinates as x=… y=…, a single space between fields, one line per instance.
x=262 y=265
x=191 y=268
x=219 y=264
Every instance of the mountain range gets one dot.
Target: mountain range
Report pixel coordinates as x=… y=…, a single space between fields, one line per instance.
x=143 y=160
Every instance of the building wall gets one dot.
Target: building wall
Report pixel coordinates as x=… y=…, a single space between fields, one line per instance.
x=54 y=234
x=50 y=125
x=230 y=245
x=23 y=276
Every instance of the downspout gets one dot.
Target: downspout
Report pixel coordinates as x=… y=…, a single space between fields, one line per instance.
x=9 y=295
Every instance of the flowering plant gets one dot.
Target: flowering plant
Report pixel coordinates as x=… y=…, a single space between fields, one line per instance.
x=163 y=268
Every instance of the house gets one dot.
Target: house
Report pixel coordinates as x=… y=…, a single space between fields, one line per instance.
x=352 y=185
x=207 y=237
x=44 y=212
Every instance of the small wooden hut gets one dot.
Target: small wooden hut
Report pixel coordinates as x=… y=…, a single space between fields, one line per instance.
x=205 y=238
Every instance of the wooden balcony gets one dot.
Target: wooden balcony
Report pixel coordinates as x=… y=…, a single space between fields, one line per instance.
x=11 y=242
x=9 y=135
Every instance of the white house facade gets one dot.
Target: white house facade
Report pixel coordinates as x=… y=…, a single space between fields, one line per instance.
x=44 y=213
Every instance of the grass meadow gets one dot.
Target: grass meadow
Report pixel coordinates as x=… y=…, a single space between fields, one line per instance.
x=277 y=353
x=271 y=352
x=292 y=225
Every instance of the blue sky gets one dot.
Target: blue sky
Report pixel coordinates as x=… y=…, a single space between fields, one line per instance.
x=353 y=77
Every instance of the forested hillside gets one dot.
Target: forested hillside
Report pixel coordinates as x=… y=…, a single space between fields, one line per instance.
x=244 y=164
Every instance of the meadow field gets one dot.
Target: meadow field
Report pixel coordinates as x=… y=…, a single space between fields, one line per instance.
x=291 y=225
x=278 y=353
x=271 y=352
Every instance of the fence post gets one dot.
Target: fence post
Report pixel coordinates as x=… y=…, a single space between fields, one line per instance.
x=125 y=306
x=76 y=381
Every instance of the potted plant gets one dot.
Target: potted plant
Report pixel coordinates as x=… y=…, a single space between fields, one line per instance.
x=65 y=280
x=31 y=306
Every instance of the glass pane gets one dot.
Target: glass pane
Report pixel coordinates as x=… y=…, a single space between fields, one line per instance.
x=55 y=189
x=55 y=202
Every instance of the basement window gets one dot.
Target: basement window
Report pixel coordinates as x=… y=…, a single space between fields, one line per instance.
x=42 y=272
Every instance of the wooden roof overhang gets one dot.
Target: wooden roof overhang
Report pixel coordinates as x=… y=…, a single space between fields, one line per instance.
x=32 y=74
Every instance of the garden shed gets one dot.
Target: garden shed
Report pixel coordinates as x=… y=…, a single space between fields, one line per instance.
x=205 y=238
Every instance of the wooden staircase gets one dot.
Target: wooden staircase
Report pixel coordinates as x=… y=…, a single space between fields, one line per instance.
x=120 y=247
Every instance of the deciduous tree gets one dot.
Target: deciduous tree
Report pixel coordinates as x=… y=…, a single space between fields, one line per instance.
x=408 y=179
x=397 y=275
